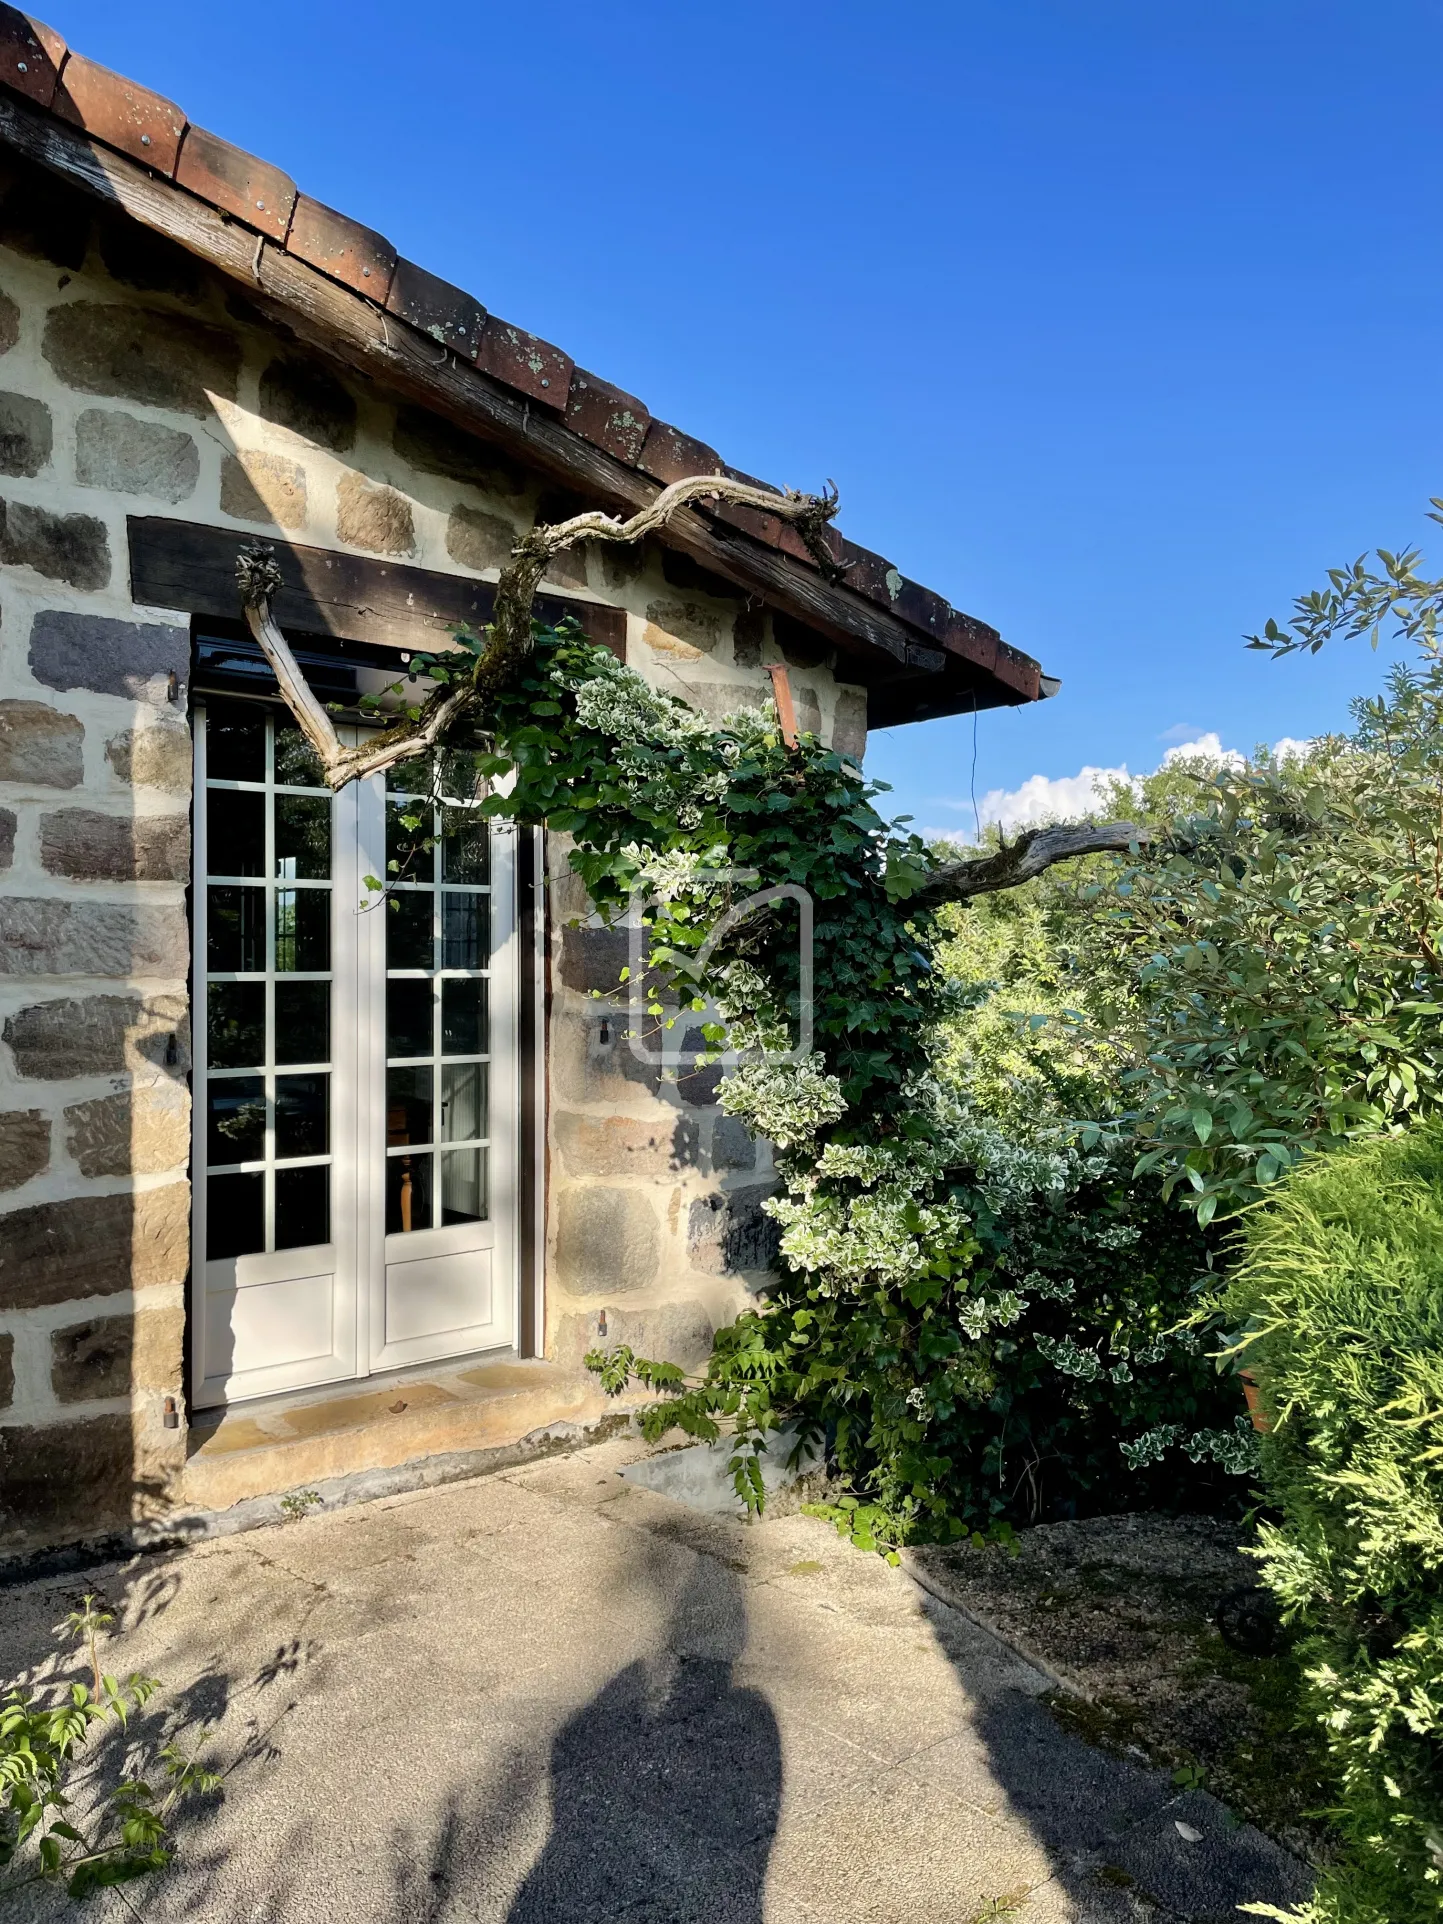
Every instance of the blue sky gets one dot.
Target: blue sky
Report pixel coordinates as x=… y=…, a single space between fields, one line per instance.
x=1115 y=321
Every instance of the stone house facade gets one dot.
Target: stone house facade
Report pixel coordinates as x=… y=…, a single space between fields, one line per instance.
x=192 y=355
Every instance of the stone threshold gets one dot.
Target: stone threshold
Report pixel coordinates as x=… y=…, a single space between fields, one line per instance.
x=282 y=1444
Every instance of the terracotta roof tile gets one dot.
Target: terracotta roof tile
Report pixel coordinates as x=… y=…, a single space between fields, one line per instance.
x=525 y=361
x=607 y=416
x=111 y=108
x=30 y=56
x=236 y=182
x=435 y=307
x=668 y=455
x=356 y=256
x=152 y=130
x=753 y=521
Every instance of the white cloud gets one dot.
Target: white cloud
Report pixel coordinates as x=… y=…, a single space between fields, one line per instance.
x=1053 y=798
x=1180 y=732
x=1207 y=748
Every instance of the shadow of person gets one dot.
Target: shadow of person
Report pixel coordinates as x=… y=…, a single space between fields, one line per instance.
x=666 y=1788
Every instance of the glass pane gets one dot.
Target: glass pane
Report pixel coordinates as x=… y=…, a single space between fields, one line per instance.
x=463 y=1186
x=303 y=1116
x=303 y=1206
x=235 y=741
x=464 y=920
x=235 y=1216
x=303 y=838
x=296 y=764
x=235 y=832
x=409 y=778
x=463 y=1016
x=408 y=1105
x=461 y=779
x=465 y=845
x=463 y=1102
x=235 y=930
x=236 y=1120
x=408 y=1194
x=408 y=1018
x=303 y=930
x=408 y=829
x=409 y=941
x=235 y=1024
x=303 y=1021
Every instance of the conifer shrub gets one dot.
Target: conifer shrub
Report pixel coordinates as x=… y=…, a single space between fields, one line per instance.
x=1340 y=1299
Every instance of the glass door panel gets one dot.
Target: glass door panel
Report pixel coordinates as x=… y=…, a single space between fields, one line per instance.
x=445 y=924
x=270 y=1314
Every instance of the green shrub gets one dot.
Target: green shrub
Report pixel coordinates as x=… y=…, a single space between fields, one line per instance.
x=1341 y=1294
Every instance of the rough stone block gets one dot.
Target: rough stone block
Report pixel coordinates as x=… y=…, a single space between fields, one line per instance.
x=592 y=1061
x=24 y=1145
x=113 y=1355
x=679 y=1332
x=98 y=1035
x=61 y=1252
x=7 y=1369
x=733 y=1146
x=717 y=699
x=698 y=1087
x=727 y=1234
x=594 y=959
x=263 y=487
x=92 y=847
x=142 y=354
x=682 y=630
x=308 y=399
x=64 y=547
x=42 y=936
x=26 y=434
x=607 y=1241
x=149 y=262
x=128 y=456
x=40 y=745
x=749 y=634
x=140 y=1132
x=155 y=757
x=809 y=711
x=479 y=540
x=371 y=515
x=135 y=659
x=63 y=1482
x=622 y=1146
x=849 y=723
x=236 y=182
x=42 y=217
x=9 y=323
x=434 y=446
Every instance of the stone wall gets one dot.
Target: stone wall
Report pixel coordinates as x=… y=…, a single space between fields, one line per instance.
x=132 y=382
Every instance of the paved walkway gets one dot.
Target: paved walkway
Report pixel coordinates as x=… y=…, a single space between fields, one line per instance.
x=551 y=1697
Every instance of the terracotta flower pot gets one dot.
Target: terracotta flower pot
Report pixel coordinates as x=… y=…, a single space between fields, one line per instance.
x=1254 y=1398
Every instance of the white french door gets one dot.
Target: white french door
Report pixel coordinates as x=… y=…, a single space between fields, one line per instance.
x=355 y=1068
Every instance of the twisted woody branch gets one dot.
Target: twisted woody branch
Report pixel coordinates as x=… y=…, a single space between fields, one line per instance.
x=509 y=642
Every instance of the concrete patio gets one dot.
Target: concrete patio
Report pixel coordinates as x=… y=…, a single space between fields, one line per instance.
x=550 y=1695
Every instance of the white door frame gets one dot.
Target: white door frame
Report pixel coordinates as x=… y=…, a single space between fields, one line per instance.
x=331 y=1299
